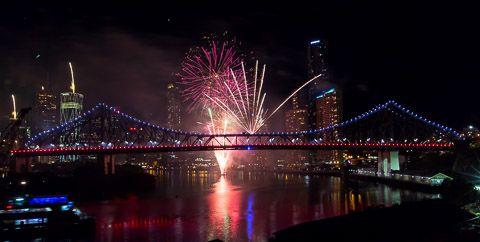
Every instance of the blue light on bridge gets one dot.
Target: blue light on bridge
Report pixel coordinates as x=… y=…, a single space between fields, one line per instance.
x=355 y=119
x=249 y=148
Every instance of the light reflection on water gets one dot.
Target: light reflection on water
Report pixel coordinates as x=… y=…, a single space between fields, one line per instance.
x=241 y=206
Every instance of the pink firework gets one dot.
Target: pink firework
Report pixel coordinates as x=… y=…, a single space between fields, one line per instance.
x=209 y=72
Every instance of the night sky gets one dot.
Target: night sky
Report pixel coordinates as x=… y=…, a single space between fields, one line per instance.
x=424 y=56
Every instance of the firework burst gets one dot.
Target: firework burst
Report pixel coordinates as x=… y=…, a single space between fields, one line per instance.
x=208 y=72
x=246 y=105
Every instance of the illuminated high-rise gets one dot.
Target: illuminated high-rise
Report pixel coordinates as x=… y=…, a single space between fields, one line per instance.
x=296 y=120
x=46 y=111
x=71 y=106
x=174 y=120
x=173 y=107
x=329 y=111
x=317 y=65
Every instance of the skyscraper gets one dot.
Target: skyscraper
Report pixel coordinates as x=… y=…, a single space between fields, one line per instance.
x=46 y=111
x=329 y=112
x=317 y=65
x=71 y=106
x=174 y=120
x=296 y=120
x=173 y=107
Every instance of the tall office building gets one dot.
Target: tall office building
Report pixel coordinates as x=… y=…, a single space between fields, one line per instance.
x=296 y=120
x=173 y=107
x=317 y=56
x=46 y=111
x=329 y=112
x=71 y=106
x=317 y=65
x=174 y=121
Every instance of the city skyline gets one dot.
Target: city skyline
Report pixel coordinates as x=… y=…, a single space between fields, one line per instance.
x=131 y=62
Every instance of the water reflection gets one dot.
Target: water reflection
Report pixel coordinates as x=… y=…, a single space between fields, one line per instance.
x=250 y=215
x=242 y=206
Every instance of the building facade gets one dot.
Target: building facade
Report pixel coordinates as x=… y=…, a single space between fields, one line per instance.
x=329 y=109
x=296 y=120
x=71 y=106
x=174 y=119
x=46 y=116
x=317 y=65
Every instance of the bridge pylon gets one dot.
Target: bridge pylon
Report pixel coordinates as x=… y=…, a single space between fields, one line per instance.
x=107 y=162
x=21 y=164
x=387 y=162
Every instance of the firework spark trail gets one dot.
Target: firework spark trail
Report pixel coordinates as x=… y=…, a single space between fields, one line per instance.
x=221 y=155
x=247 y=108
x=14 y=108
x=291 y=95
x=250 y=116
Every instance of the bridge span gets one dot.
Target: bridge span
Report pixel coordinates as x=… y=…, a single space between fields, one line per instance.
x=105 y=131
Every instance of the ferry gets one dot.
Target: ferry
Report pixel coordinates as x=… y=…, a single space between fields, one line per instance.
x=43 y=217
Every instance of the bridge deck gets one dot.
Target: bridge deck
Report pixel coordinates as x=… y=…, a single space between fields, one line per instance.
x=175 y=148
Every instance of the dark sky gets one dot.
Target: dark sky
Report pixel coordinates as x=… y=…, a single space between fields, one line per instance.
x=424 y=56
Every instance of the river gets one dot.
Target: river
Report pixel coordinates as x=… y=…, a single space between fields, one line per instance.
x=241 y=206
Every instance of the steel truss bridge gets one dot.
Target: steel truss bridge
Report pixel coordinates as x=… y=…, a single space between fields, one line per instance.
x=105 y=130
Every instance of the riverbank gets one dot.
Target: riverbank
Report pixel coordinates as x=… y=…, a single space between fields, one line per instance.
x=429 y=220
x=411 y=185
x=404 y=184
